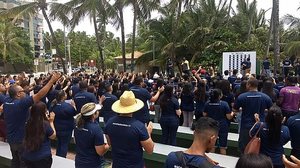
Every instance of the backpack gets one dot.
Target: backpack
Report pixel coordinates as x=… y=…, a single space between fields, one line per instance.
x=204 y=164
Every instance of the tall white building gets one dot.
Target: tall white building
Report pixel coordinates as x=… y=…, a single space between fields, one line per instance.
x=33 y=25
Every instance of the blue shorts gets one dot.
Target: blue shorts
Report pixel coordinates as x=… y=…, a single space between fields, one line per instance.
x=222 y=140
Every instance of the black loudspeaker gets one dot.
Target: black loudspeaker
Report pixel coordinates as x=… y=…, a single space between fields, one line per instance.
x=155 y=69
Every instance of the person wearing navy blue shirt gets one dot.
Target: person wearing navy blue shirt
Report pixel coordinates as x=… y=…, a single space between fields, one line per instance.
x=205 y=136
x=219 y=110
x=251 y=102
x=75 y=87
x=143 y=94
x=187 y=104
x=16 y=112
x=107 y=99
x=266 y=65
x=293 y=124
x=126 y=135
x=170 y=113
x=83 y=97
x=200 y=98
x=280 y=83
x=273 y=135
x=2 y=123
x=64 y=122
x=38 y=132
x=89 y=138
x=233 y=77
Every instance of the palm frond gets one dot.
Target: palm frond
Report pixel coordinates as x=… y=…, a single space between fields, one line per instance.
x=19 y=12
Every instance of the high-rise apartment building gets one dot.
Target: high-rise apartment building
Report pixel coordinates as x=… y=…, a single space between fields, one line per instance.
x=33 y=25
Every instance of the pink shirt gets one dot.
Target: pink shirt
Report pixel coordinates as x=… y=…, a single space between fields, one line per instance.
x=291 y=98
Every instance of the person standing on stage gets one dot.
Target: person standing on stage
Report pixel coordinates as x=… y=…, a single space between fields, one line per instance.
x=185 y=66
x=170 y=69
x=286 y=65
x=266 y=65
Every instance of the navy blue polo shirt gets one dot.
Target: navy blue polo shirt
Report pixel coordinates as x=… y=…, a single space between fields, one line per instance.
x=51 y=96
x=294 y=125
x=142 y=94
x=266 y=64
x=187 y=102
x=218 y=111
x=106 y=110
x=83 y=97
x=2 y=99
x=251 y=103
x=126 y=134
x=45 y=149
x=173 y=161
x=229 y=98
x=269 y=148
x=64 y=116
x=170 y=110
x=279 y=86
x=16 y=112
x=86 y=139
x=75 y=89
x=232 y=79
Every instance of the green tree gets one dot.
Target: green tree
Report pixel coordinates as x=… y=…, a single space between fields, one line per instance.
x=141 y=11
x=10 y=42
x=118 y=21
x=30 y=9
x=98 y=11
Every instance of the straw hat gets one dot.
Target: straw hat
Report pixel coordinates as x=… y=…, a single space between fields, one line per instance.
x=127 y=103
x=89 y=109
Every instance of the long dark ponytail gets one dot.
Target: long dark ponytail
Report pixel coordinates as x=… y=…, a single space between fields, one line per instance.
x=274 y=121
x=58 y=98
x=166 y=97
x=34 y=129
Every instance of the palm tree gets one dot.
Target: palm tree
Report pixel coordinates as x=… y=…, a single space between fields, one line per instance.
x=141 y=10
x=9 y=42
x=119 y=23
x=31 y=9
x=98 y=11
x=276 y=34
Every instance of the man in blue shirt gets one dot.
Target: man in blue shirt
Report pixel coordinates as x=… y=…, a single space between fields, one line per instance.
x=205 y=136
x=293 y=124
x=83 y=97
x=143 y=94
x=251 y=102
x=266 y=65
x=107 y=99
x=126 y=135
x=16 y=112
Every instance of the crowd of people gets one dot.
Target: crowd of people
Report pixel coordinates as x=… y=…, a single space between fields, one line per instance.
x=35 y=110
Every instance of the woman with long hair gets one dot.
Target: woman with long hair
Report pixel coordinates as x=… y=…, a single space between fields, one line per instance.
x=220 y=111
x=64 y=122
x=89 y=138
x=268 y=89
x=273 y=134
x=187 y=104
x=38 y=132
x=224 y=86
x=170 y=113
x=200 y=98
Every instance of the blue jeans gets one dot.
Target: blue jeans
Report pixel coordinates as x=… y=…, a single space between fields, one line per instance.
x=63 y=140
x=169 y=128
